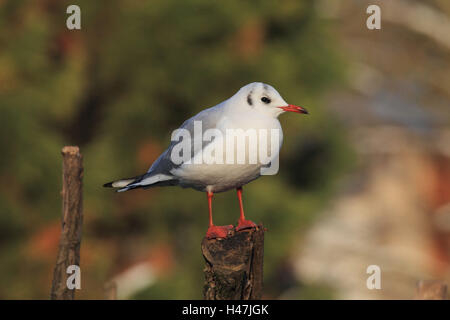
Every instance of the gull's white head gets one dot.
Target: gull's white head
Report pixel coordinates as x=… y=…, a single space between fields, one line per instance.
x=264 y=98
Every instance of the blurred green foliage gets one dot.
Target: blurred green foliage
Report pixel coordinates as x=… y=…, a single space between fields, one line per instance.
x=117 y=88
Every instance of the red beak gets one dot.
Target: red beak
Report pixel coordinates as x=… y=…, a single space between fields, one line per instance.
x=294 y=108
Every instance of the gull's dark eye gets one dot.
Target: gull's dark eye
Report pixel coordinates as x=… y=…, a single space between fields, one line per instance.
x=265 y=100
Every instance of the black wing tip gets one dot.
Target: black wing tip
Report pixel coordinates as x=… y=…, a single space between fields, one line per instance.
x=108 y=185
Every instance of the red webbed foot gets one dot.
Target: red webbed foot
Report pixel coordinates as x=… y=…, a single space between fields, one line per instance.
x=245 y=224
x=218 y=231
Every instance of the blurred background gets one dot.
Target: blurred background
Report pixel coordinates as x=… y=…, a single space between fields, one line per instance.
x=364 y=179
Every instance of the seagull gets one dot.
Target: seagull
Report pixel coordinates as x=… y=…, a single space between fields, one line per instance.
x=256 y=106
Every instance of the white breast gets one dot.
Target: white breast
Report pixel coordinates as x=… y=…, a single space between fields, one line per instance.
x=224 y=165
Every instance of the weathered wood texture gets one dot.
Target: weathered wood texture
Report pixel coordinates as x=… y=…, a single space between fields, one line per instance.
x=234 y=266
x=431 y=290
x=72 y=219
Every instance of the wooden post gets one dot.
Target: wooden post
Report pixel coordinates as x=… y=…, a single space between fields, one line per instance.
x=72 y=219
x=234 y=266
x=431 y=290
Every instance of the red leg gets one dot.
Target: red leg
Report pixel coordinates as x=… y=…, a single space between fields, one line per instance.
x=242 y=223
x=215 y=231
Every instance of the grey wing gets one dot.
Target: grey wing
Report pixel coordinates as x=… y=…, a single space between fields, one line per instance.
x=159 y=173
x=208 y=119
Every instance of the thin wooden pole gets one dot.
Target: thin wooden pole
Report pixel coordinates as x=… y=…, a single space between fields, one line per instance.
x=234 y=266
x=72 y=220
